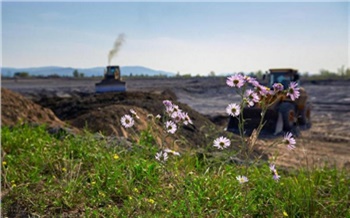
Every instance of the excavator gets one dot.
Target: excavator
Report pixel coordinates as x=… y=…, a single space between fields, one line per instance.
x=283 y=114
x=111 y=81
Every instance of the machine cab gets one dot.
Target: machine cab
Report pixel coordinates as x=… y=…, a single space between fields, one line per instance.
x=112 y=72
x=283 y=76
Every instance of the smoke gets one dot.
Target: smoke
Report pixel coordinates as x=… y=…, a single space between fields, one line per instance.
x=117 y=44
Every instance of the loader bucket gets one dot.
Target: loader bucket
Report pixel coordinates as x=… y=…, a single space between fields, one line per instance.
x=252 y=116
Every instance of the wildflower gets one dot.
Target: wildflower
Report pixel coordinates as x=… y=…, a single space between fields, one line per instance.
x=187 y=120
x=262 y=90
x=251 y=80
x=222 y=142
x=285 y=213
x=177 y=116
x=170 y=127
x=235 y=81
x=242 y=179
x=151 y=201
x=136 y=190
x=274 y=171
x=289 y=141
x=276 y=176
x=251 y=97
x=167 y=103
x=162 y=156
x=233 y=109
x=102 y=194
x=277 y=87
x=293 y=91
x=134 y=113
x=116 y=157
x=158 y=116
x=175 y=108
x=64 y=169
x=167 y=150
x=4 y=163
x=127 y=121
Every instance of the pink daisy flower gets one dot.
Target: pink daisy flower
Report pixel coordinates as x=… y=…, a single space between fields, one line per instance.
x=233 y=110
x=251 y=80
x=170 y=127
x=277 y=87
x=161 y=156
x=293 y=91
x=274 y=171
x=177 y=116
x=242 y=179
x=289 y=141
x=222 y=142
x=127 y=121
x=167 y=103
x=236 y=81
x=251 y=97
x=262 y=90
x=187 y=120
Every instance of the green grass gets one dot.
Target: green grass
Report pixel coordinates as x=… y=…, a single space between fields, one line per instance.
x=46 y=175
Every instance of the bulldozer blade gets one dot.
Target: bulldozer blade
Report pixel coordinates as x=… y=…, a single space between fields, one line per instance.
x=113 y=86
x=252 y=116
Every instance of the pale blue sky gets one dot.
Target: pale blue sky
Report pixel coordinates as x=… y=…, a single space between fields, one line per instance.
x=180 y=37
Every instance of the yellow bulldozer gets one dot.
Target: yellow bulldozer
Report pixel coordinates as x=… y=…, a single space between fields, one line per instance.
x=282 y=114
x=111 y=81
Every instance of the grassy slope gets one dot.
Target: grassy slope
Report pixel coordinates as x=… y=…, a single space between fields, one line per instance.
x=85 y=175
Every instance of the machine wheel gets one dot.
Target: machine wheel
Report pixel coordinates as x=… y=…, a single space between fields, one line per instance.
x=288 y=115
x=305 y=116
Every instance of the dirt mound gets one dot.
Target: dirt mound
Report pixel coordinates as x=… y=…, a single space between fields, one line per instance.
x=102 y=113
x=15 y=109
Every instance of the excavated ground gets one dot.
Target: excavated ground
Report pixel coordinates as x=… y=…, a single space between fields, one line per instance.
x=74 y=102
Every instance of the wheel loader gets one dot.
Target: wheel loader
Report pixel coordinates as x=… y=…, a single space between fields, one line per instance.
x=111 y=81
x=283 y=115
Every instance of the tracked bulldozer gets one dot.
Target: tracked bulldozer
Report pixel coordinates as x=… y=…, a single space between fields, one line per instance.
x=111 y=81
x=283 y=114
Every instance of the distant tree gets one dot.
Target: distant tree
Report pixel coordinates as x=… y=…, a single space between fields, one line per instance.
x=305 y=75
x=259 y=74
x=81 y=75
x=75 y=74
x=342 y=71
x=212 y=73
x=177 y=74
x=347 y=72
x=21 y=74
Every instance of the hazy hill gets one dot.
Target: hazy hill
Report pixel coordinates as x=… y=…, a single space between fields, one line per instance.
x=88 y=72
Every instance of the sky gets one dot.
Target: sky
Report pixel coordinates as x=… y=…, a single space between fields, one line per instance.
x=189 y=38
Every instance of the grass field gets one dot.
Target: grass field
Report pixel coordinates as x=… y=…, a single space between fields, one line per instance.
x=89 y=175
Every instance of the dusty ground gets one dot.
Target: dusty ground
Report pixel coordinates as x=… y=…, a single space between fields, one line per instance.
x=327 y=142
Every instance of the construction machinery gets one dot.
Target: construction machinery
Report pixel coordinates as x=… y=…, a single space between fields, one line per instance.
x=111 y=81
x=282 y=114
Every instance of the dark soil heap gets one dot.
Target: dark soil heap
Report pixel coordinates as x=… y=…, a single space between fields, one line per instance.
x=102 y=113
x=16 y=109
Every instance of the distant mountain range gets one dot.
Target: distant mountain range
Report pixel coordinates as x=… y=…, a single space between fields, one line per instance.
x=88 y=72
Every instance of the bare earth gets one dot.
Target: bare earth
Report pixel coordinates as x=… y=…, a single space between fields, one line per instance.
x=327 y=142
